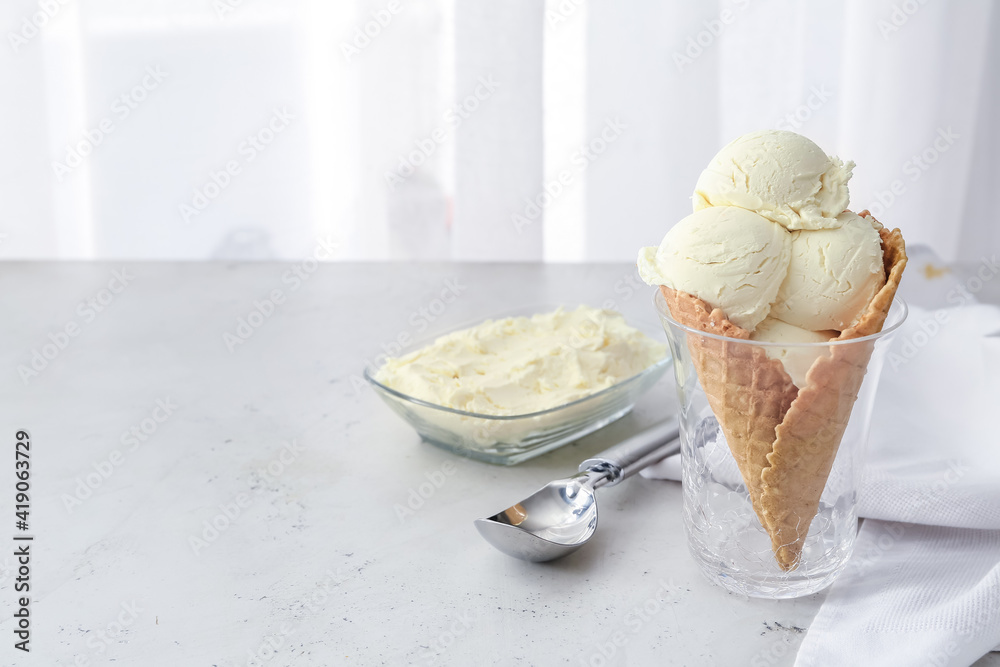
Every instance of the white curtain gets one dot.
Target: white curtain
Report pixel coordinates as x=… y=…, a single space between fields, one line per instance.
x=563 y=130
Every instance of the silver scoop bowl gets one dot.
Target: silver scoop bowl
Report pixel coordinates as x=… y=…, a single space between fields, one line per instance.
x=560 y=517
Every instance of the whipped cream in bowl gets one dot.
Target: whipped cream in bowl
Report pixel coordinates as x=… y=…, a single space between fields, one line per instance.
x=523 y=383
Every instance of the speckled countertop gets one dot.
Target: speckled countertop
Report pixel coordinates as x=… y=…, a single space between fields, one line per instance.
x=210 y=493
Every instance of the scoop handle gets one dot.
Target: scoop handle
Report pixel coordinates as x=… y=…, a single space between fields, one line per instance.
x=632 y=455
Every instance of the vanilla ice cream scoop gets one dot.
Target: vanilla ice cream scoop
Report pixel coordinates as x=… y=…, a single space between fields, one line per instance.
x=782 y=176
x=833 y=275
x=796 y=360
x=729 y=257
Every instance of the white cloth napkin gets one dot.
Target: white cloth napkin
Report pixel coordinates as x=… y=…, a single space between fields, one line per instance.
x=912 y=595
x=923 y=587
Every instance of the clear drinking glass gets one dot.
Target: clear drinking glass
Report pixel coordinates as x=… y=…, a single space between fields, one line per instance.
x=724 y=533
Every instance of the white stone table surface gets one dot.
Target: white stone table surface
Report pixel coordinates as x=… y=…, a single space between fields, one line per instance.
x=146 y=429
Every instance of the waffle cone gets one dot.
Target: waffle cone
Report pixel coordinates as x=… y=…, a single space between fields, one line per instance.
x=748 y=392
x=784 y=438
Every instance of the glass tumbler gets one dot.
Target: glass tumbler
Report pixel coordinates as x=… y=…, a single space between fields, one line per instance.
x=724 y=532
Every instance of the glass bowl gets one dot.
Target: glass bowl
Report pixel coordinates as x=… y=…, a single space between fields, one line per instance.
x=511 y=439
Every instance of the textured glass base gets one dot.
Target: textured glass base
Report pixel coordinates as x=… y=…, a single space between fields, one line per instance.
x=511 y=454
x=726 y=537
x=511 y=440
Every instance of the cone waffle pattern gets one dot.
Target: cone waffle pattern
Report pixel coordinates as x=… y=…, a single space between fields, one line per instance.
x=748 y=392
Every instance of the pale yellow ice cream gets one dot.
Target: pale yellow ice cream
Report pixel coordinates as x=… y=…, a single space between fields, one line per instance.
x=781 y=175
x=772 y=245
x=727 y=256
x=521 y=365
x=832 y=276
x=796 y=360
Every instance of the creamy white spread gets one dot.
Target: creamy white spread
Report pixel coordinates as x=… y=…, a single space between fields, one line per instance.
x=521 y=365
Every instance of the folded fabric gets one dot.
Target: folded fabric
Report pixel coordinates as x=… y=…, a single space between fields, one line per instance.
x=911 y=595
x=932 y=451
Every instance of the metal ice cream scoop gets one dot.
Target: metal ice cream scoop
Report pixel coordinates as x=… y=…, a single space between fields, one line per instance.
x=560 y=517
